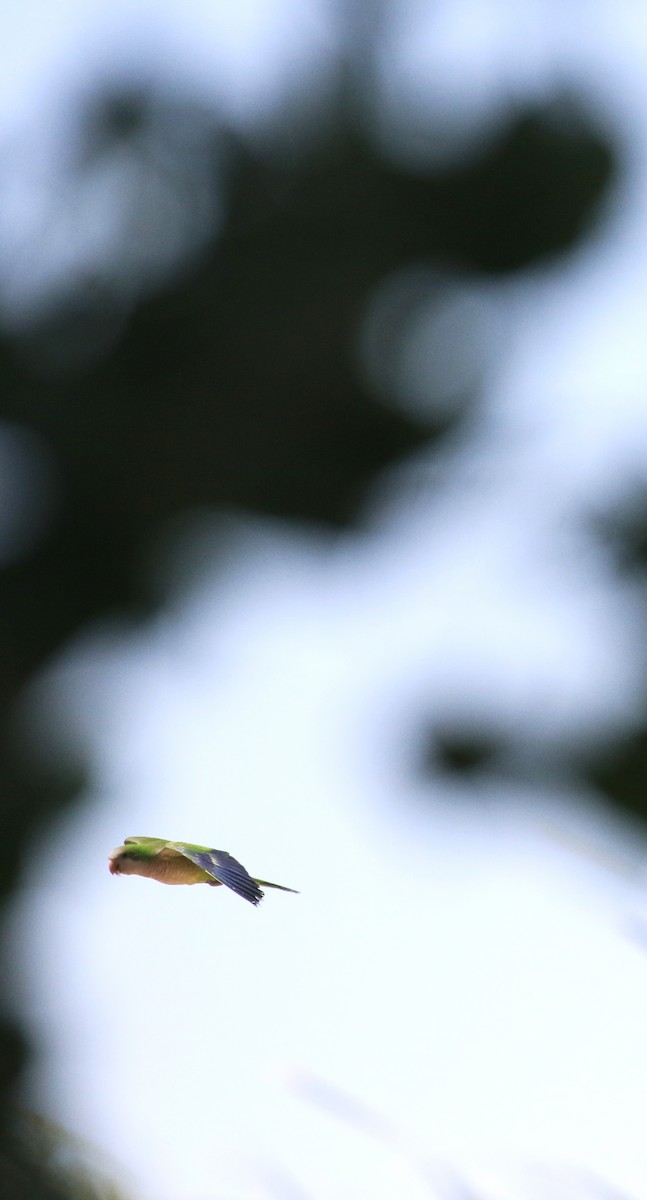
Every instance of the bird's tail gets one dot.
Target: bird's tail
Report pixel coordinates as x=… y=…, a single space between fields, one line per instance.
x=279 y=886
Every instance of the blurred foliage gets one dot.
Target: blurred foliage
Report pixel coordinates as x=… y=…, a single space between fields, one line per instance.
x=40 y=1159
x=623 y=533
x=460 y=750
x=210 y=358
x=617 y=768
x=619 y=772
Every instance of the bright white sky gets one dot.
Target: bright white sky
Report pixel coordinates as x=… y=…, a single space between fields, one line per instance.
x=463 y=973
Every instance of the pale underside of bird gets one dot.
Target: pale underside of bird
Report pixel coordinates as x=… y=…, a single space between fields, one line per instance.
x=182 y=862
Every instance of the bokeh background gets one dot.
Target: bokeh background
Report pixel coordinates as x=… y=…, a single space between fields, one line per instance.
x=323 y=540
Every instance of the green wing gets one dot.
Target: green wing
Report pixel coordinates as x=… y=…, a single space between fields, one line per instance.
x=145 y=841
x=221 y=867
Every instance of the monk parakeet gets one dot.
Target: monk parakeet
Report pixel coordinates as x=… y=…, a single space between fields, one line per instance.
x=181 y=862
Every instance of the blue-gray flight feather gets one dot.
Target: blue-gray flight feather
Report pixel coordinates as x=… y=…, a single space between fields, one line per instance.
x=224 y=869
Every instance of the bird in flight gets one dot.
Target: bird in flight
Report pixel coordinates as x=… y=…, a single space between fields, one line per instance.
x=182 y=862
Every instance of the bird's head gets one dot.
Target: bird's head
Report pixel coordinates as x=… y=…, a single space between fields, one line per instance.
x=120 y=861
